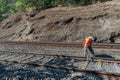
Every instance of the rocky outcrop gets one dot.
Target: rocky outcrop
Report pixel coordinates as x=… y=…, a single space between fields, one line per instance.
x=65 y=24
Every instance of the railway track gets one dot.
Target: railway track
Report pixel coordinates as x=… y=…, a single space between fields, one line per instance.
x=58 y=44
x=48 y=55
x=57 y=62
x=54 y=48
x=60 y=48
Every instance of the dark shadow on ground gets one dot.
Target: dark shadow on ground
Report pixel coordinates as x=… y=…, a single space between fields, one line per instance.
x=86 y=76
x=103 y=56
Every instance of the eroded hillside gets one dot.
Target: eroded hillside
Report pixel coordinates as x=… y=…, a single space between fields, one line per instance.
x=65 y=24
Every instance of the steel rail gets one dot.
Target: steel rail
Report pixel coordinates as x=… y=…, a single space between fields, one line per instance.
x=61 y=44
x=70 y=57
x=65 y=68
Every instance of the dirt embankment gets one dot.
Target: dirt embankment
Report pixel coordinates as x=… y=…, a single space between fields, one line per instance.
x=65 y=24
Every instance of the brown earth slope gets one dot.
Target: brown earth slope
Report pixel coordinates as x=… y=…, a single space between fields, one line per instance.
x=65 y=24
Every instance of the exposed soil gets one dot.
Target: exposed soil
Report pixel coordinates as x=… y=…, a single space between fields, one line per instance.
x=63 y=24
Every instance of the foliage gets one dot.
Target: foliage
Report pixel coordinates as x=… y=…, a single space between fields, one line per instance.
x=8 y=7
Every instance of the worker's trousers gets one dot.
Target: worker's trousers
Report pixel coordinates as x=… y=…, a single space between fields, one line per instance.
x=86 y=51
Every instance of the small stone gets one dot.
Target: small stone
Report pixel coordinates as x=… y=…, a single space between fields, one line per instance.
x=77 y=74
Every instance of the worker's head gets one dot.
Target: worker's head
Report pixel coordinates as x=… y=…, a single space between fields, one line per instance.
x=94 y=38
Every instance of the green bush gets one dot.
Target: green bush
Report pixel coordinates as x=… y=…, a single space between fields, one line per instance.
x=8 y=7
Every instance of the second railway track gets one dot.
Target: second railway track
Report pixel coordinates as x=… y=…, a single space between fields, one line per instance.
x=68 y=63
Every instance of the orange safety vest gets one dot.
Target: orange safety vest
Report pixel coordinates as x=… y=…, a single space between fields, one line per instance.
x=88 y=42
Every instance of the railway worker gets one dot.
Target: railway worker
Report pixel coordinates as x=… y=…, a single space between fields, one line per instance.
x=87 y=45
